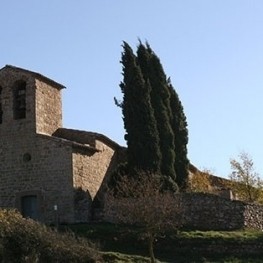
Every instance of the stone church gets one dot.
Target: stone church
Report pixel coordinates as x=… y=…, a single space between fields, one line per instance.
x=47 y=172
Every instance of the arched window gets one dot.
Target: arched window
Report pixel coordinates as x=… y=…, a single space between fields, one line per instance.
x=1 y=107
x=20 y=100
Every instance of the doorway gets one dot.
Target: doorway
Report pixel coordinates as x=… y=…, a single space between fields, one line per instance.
x=29 y=207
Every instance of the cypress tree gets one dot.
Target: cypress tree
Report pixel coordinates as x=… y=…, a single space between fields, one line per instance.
x=153 y=72
x=138 y=116
x=179 y=126
x=154 y=120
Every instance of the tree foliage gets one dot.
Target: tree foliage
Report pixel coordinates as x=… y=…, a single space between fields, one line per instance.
x=139 y=122
x=24 y=240
x=179 y=127
x=246 y=182
x=154 y=120
x=153 y=72
x=140 y=201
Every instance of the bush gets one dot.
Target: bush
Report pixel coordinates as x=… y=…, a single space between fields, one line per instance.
x=24 y=240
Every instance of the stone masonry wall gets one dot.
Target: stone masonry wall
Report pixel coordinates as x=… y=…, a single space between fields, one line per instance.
x=210 y=212
x=253 y=216
x=88 y=173
x=37 y=165
x=32 y=164
x=48 y=108
x=43 y=103
x=8 y=79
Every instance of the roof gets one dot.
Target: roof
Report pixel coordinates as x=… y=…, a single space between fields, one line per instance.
x=36 y=75
x=84 y=137
x=75 y=145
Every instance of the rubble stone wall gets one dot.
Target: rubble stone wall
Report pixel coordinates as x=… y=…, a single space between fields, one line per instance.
x=210 y=212
x=40 y=166
x=89 y=172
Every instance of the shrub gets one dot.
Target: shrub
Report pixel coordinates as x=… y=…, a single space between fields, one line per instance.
x=24 y=240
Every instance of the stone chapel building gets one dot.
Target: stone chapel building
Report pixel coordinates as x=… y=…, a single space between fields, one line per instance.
x=46 y=171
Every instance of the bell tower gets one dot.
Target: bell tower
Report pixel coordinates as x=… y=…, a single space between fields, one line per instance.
x=29 y=102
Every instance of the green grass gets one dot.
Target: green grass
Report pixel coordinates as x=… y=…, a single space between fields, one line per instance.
x=240 y=235
x=121 y=243
x=114 y=257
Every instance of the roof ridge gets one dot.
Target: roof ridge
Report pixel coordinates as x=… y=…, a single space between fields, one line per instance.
x=60 y=86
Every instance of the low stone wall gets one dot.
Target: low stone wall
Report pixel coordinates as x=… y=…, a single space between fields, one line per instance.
x=253 y=216
x=209 y=212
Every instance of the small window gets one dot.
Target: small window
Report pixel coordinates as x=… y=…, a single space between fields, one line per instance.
x=1 y=108
x=27 y=157
x=20 y=100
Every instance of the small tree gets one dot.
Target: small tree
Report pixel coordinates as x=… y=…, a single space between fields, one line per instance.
x=245 y=181
x=141 y=201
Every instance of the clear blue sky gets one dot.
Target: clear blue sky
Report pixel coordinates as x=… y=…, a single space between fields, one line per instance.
x=211 y=49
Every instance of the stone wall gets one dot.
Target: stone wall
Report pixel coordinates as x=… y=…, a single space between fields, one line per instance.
x=43 y=102
x=8 y=80
x=89 y=172
x=210 y=212
x=48 y=108
x=32 y=164
x=253 y=216
x=37 y=165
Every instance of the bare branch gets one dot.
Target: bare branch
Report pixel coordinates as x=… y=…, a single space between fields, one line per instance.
x=141 y=201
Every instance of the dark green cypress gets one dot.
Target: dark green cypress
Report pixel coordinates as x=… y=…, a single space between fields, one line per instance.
x=179 y=126
x=138 y=116
x=154 y=119
x=153 y=72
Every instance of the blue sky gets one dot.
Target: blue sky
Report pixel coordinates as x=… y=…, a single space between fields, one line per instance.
x=211 y=49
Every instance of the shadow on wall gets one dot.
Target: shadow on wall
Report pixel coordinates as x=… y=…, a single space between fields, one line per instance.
x=82 y=205
x=118 y=157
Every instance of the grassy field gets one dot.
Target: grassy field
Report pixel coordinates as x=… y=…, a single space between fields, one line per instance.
x=121 y=243
x=24 y=240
